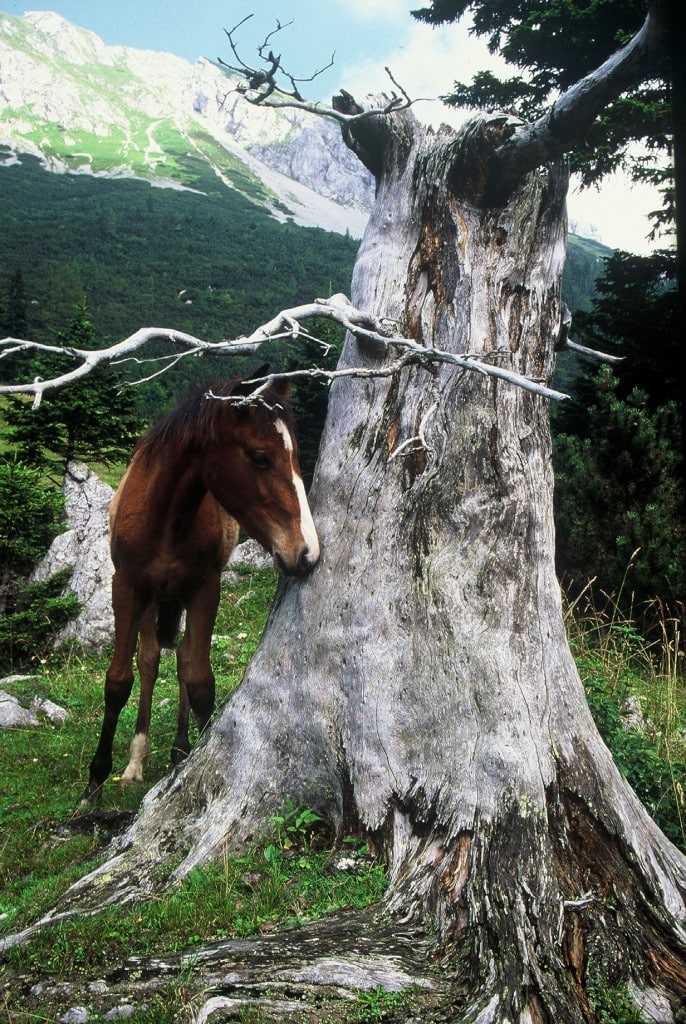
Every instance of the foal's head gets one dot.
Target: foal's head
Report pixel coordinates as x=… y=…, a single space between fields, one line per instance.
x=250 y=459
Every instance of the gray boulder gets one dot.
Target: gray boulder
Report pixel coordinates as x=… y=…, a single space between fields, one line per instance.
x=15 y=715
x=85 y=546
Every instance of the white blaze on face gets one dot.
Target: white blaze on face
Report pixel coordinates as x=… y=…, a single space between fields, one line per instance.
x=306 y=522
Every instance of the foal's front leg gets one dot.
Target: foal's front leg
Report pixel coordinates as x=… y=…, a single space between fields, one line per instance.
x=196 y=679
x=148 y=661
x=127 y=607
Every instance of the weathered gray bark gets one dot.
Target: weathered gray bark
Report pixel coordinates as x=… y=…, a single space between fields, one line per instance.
x=419 y=684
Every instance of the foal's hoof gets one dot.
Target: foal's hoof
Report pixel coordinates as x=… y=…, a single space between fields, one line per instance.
x=178 y=756
x=91 y=797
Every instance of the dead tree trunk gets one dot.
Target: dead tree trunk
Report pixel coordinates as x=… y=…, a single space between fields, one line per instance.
x=419 y=685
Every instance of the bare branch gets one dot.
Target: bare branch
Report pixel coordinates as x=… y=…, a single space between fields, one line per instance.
x=601 y=357
x=88 y=359
x=263 y=82
x=565 y=344
x=419 y=440
x=262 y=85
x=416 y=355
x=391 y=105
x=559 y=129
x=244 y=68
x=286 y=324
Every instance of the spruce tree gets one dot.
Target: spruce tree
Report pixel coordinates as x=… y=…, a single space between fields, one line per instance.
x=92 y=420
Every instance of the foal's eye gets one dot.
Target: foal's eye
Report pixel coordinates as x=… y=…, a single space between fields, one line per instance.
x=259 y=459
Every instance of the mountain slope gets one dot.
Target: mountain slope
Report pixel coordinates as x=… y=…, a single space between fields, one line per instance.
x=106 y=112
x=208 y=262
x=85 y=107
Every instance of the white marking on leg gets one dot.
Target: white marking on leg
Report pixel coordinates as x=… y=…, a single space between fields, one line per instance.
x=138 y=755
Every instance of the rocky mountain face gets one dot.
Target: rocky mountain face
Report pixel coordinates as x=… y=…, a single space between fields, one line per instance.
x=84 y=107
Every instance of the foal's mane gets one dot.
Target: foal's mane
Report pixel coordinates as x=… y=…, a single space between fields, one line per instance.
x=192 y=422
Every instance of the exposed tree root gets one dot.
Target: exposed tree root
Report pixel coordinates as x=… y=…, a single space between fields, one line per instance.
x=306 y=973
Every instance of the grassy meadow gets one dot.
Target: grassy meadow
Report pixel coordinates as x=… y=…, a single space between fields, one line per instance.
x=291 y=875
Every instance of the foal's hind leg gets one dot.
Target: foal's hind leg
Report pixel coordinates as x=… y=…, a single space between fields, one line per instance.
x=196 y=679
x=148 y=661
x=127 y=609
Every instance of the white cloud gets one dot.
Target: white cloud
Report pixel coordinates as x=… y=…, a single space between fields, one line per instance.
x=426 y=63
x=426 y=60
x=618 y=212
x=368 y=9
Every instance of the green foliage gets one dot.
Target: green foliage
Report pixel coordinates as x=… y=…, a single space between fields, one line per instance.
x=13 y=318
x=31 y=513
x=656 y=780
x=620 y=496
x=210 y=263
x=34 y=615
x=554 y=45
x=91 y=419
x=635 y=690
x=635 y=317
x=295 y=826
x=614 y=1005
x=618 y=447
x=377 y=1004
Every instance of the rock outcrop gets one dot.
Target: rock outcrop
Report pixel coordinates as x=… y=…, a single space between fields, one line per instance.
x=85 y=546
x=84 y=107
x=16 y=715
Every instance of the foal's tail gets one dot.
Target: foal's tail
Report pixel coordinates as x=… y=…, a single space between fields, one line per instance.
x=168 y=621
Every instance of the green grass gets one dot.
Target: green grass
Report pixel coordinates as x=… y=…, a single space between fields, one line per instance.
x=271 y=886
x=291 y=875
x=637 y=694
x=186 y=158
x=44 y=770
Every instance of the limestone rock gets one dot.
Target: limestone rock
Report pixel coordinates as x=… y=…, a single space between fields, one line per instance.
x=85 y=546
x=13 y=715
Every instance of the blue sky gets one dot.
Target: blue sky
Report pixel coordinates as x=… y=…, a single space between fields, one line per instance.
x=357 y=31
x=366 y=36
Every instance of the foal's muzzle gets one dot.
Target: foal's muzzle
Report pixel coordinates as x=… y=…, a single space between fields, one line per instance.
x=305 y=564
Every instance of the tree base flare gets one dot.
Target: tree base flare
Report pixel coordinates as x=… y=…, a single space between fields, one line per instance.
x=351 y=966
x=332 y=969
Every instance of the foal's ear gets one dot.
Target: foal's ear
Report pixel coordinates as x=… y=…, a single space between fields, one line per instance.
x=242 y=388
x=283 y=388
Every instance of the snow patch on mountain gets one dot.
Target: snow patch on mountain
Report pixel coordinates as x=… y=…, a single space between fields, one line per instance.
x=85 y=107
